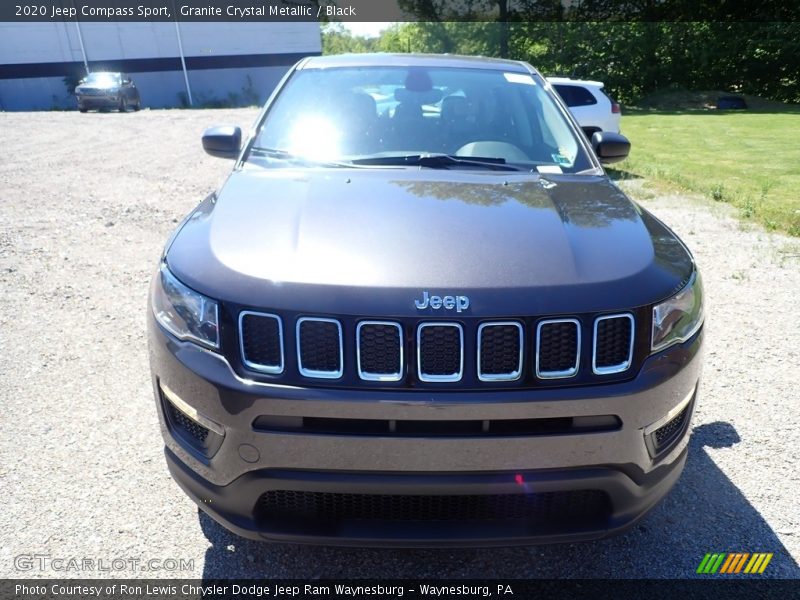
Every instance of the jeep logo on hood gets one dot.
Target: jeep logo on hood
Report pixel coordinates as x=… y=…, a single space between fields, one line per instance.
x=447 y=302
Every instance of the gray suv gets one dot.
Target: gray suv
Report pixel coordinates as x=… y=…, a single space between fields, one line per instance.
x=102 y=91
x=419 y=312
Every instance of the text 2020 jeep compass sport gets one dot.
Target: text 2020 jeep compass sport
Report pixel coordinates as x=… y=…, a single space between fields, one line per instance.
x=419 y=312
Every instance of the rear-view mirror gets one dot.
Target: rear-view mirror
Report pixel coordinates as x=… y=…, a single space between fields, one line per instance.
x=223 y=141
x=610 y=147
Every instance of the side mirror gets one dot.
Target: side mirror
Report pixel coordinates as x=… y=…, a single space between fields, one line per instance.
x=222 y=142
x=610 y=147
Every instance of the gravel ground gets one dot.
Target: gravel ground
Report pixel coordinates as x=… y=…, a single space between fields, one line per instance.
x=87 y=204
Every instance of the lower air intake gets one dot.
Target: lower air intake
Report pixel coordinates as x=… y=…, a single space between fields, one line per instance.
x=547 y=508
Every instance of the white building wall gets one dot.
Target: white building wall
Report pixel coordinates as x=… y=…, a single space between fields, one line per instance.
x=214 y=53
x=38 y=43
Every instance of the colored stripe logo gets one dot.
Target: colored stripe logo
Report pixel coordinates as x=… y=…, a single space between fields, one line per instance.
x=734 y=562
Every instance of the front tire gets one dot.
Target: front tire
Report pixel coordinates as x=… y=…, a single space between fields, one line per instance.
x=123 y=105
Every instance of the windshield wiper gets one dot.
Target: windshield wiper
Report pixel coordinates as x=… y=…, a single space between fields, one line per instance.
x=286 y=155
x=437 y=161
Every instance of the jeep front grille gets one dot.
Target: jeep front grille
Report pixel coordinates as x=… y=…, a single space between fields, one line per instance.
x=499 y=351
x=440 y=351
x=319 y=347
x=523 y=351
x=261 y=341
x=558 y=348
x=613 y=344
x=379 y=350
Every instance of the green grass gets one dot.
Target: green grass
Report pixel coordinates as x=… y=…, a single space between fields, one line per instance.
x=750 y=159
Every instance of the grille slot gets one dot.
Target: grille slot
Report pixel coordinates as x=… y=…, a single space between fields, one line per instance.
x=433 y=429
x=500 y=351
x=546 y=509
x=319 y=347
x=440 y=352
x=380 y=351
x=261 y=341
x=558 y=348
x=613 y=344
x=664 y=436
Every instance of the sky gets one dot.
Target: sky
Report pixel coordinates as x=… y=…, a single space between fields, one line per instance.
x=366 y=29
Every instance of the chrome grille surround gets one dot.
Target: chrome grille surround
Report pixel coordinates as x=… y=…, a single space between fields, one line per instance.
x=566 y=373
x=512 y=376
x=264 y=342
x=273 y=369
x=367 y=376
x=623 y=366
x=440 y=378
x=298 y=342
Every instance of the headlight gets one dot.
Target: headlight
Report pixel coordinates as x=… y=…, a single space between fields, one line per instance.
x=677 y=319
x=183 y=312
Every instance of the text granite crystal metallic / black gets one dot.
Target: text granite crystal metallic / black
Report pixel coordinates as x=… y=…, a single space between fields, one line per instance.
x=418 y=312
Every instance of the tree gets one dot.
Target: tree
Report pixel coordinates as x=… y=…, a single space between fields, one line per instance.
x=338 y=40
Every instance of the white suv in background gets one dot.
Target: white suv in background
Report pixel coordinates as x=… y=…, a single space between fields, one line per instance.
x=587 y=102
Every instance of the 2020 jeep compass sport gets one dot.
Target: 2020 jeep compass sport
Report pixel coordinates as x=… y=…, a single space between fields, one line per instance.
x=419 y=312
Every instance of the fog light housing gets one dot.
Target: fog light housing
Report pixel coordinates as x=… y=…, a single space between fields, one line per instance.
x=189 y=426
x=664 y=434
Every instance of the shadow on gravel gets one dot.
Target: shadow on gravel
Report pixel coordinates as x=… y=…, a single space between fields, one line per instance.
x=705 y=512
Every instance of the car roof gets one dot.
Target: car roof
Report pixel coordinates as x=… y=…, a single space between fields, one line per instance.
x=569 y=80
x=414 y=60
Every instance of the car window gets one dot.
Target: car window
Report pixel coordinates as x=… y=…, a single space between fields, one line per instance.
x=575 y=95
x=349 y=113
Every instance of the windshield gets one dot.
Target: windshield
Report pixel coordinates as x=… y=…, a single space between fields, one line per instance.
x=375 y=115
x=103 y=78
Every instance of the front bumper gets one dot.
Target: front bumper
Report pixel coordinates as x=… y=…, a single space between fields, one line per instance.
x=97 y=102
x=231 y=476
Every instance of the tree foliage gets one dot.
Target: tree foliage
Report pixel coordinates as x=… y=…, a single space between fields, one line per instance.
x=633 y=58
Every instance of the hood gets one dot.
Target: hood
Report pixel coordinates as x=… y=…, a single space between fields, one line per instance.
x=96 y=87
x=370 y=241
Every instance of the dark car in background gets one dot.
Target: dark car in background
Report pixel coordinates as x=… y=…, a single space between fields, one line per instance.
x=104 y=91
x=419 y=312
